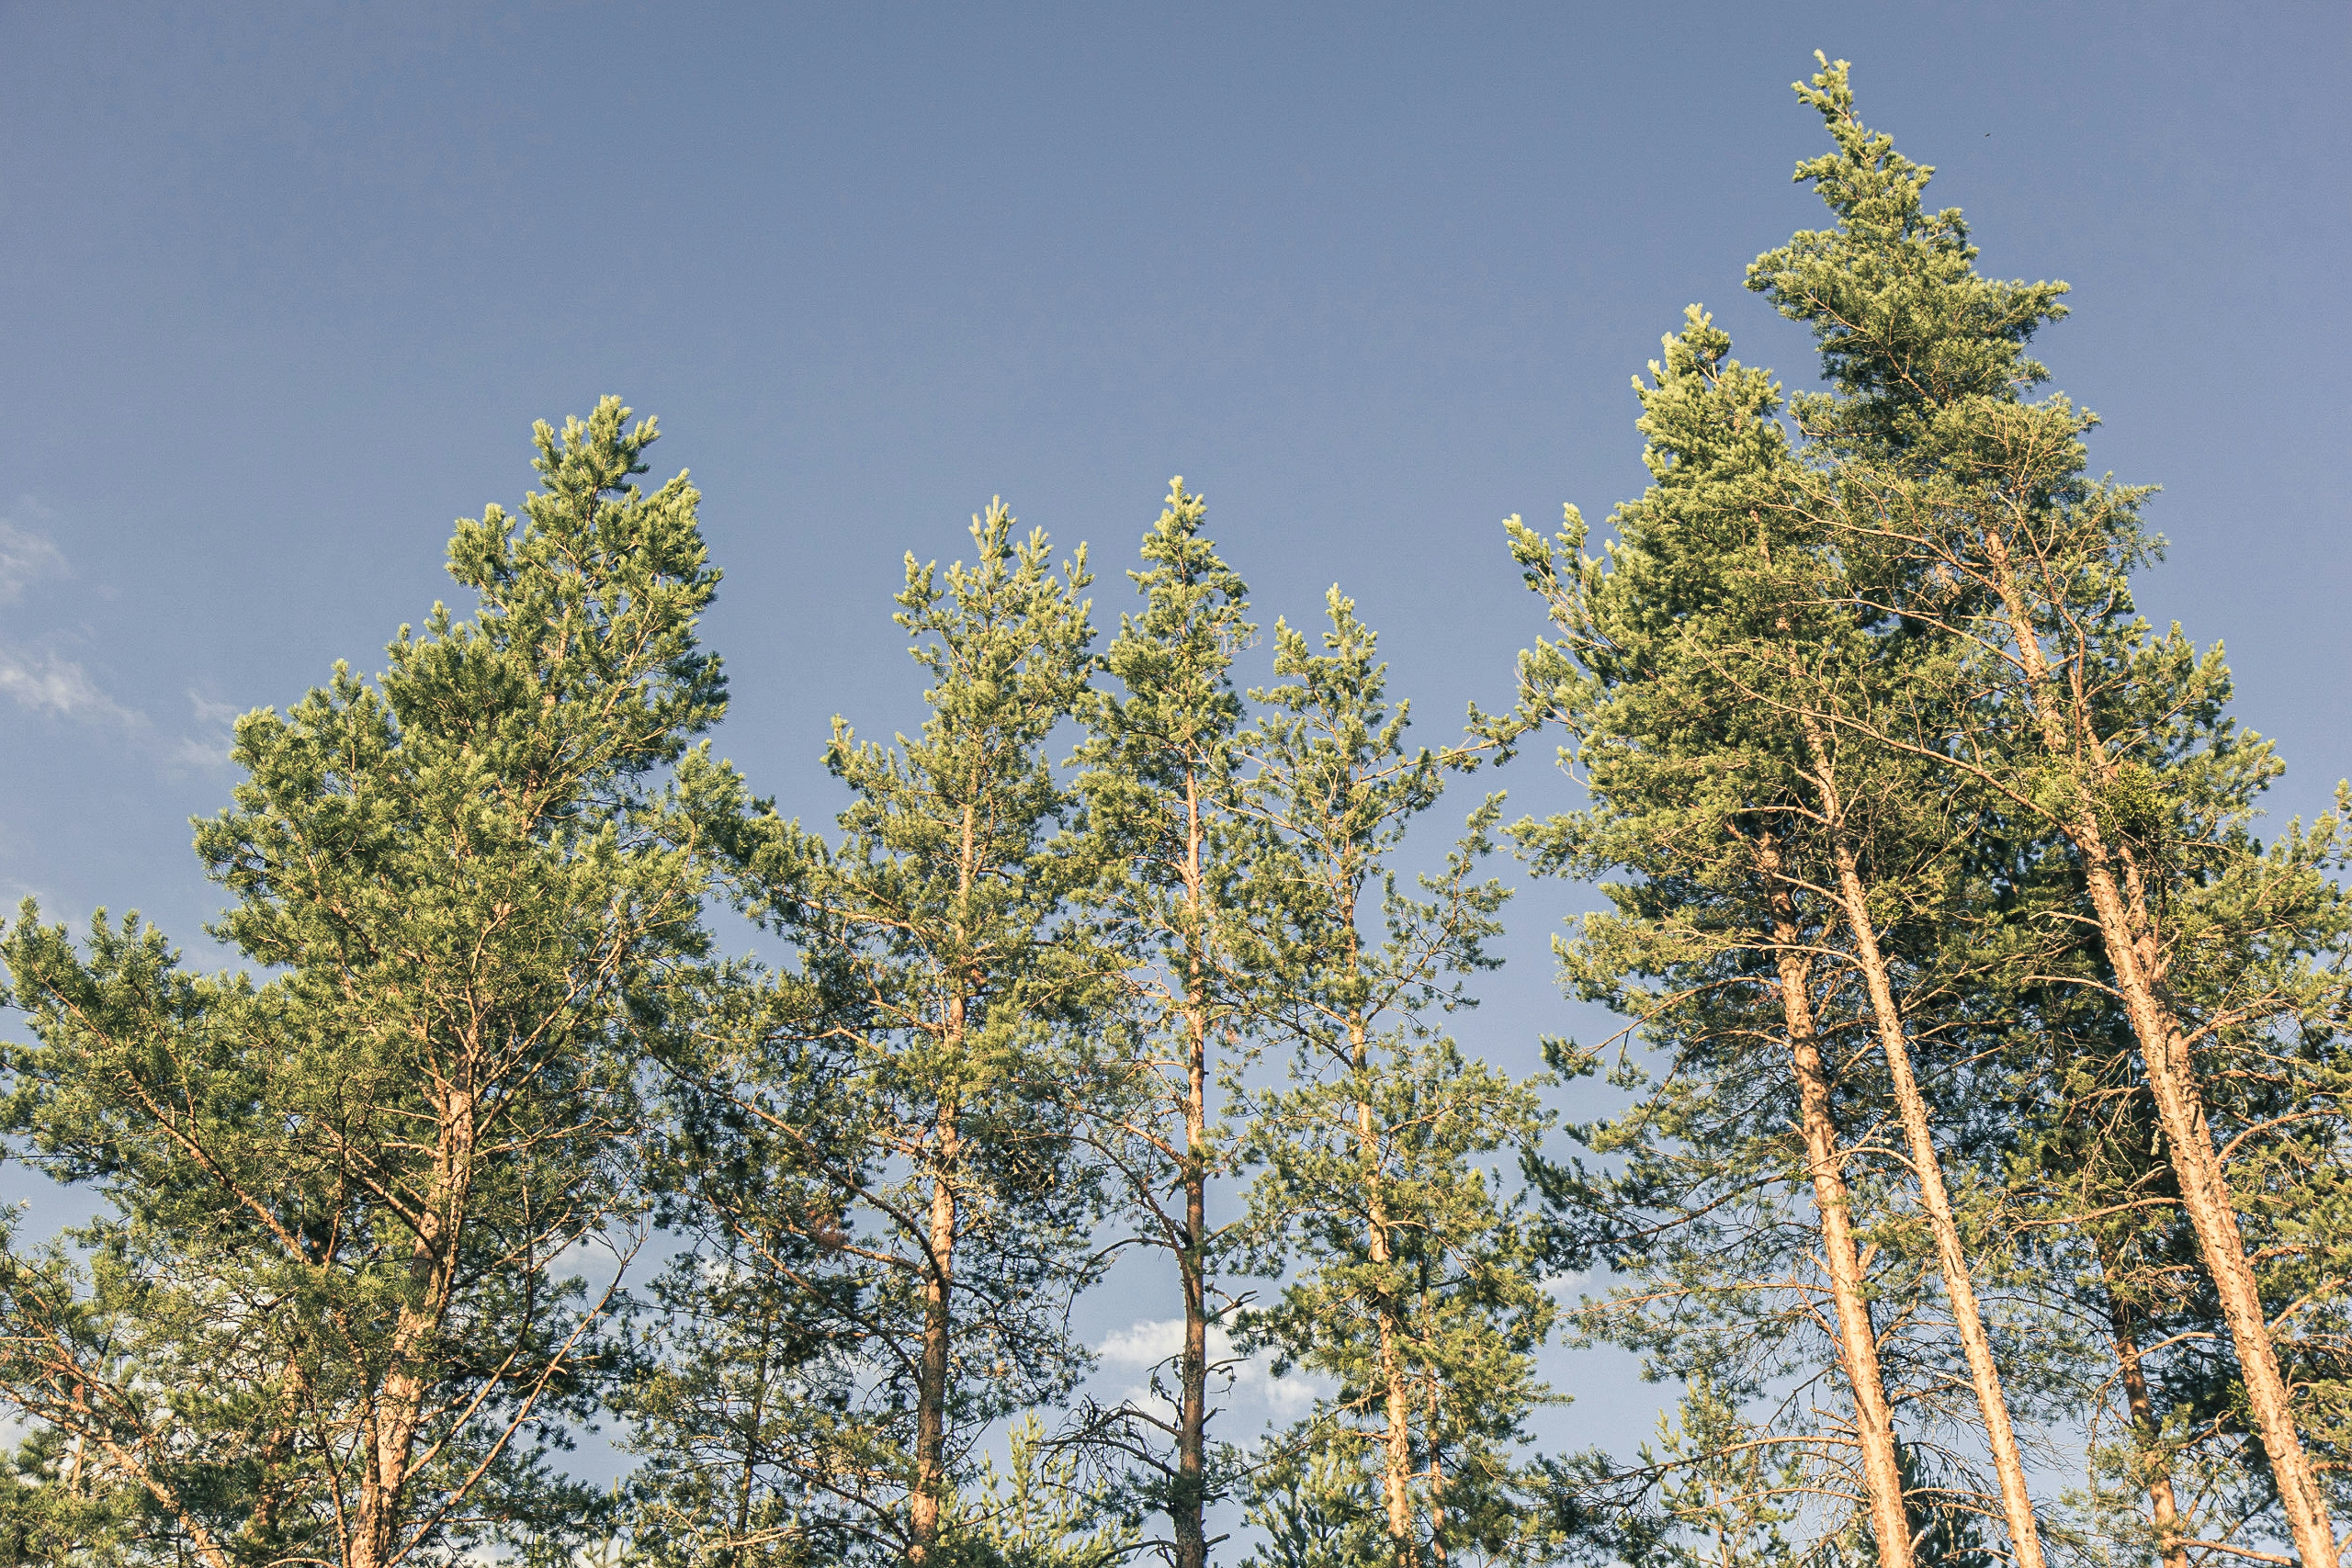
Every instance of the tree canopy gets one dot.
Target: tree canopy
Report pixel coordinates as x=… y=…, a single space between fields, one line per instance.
x=1971 y=1160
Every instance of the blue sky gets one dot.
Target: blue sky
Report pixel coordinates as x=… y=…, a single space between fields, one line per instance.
x=281 y=290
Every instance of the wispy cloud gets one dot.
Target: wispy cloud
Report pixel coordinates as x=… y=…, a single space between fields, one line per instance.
x=213 y=715
x=46 y=682
x=26 y=556
x=216 y=724
x=50 y=684
x=1153 y=1342
x=1570 y=1288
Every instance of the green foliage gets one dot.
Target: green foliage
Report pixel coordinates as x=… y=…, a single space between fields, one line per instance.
x=328 y=1312
x=2111 y=749
x=1683 y=655
x=1416 y=1289
x=872 y=1152
x=1317 y=1505
x=1725 y=1491
x=1039 y=1512
x=1924 y=856
x=1172 y=847
x=1943 y=1534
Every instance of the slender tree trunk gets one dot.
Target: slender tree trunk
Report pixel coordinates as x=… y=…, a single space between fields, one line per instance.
x=2163 y=1508
x=1396 y=1478
x=929 y=1497
x=1188 y=1504
x=1436 y=1484
x=1396 y=1401
x=929 y=1492
x=2009 y=1464
x=2127 y=931
x=258 y=1534
x=389 y=1435
x=1882 y=1465
x=752 y=1446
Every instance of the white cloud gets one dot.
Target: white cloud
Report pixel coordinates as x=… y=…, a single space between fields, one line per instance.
x=60 y=686
x=1289 y=1397
x=1152 y=1342
x=194 y=755
x=1147 y=1343
x=46 y=683
x=25 y=557
x=213 y=715
x=217 y=722
x=1570 y=1288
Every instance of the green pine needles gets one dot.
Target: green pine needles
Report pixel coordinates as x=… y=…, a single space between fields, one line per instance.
x=1972 y=1157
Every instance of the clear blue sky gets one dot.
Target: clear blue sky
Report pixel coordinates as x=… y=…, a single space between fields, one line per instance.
x=281 y=290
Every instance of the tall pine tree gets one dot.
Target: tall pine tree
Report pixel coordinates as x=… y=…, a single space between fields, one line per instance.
x=887 y=1138
x=1162 y=808
x=1972 y=505
x=1415 y=1287
x=325 y=1316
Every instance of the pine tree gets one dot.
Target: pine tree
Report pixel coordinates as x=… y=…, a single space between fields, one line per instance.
x=326 y=1316
x=1942 y=1535
x=1161 y=808
x=1726 y=1489
x=1972 y=507
x=2103 y=1201
x=1416 y=1289
x=1040 y=1512
x=1315 y=1506
x=1726 y=946
x=881 y=1139
x=737 y=1398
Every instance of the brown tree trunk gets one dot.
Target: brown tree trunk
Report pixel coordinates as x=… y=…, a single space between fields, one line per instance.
x=1436 y=1484
x=1960 y=1286
x=389 y=1431
x=1188 y=1504
x=751 y=1444
x=1396 y=1401
x=1188 y=1501
x=2163 y=1508
x=2009 y=1464
x=930 y=1493
x=258 y=1534
x=1396 y=1462
x=2128 y=932
x=1882 y=1465
x=1396 y=1468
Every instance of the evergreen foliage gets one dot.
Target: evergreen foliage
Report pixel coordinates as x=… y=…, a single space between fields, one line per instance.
x=1415 y=1287
x=1172 y=847
x=328 y=1315
x=875 y=1144
x=1980 y=1107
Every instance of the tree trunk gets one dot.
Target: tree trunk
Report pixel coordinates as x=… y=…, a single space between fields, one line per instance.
x=930 y=1493
x=1187 y=1504
x=389 y=1431
x=1882 y=1465
x=1396 y=1464
x=1188 y=1501
x=929 y=1497
x=258 y=1534
x=2009 y=1464
x=1436 y=1484
x=2163 y=1509
x=1396 y=1477
x=2128 y=932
